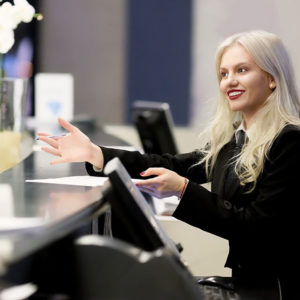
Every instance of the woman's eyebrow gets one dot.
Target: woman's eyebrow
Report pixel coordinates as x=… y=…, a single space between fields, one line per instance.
x=242 y=64
x=236 y=65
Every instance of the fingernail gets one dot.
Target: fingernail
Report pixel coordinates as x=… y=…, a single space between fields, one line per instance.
x=142 y=173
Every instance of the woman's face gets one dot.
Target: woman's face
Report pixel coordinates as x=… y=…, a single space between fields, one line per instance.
x=244 y=84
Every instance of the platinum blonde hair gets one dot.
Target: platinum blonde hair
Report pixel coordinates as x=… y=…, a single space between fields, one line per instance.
x=281 y=107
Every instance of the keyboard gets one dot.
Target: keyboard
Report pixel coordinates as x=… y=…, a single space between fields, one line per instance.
x=218 y=293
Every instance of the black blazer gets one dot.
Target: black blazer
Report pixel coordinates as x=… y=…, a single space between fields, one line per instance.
x=261 y=226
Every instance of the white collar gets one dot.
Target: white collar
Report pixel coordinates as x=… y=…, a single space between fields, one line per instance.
x=242 y=127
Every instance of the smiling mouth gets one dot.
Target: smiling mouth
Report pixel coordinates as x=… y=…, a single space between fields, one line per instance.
x=234 y=94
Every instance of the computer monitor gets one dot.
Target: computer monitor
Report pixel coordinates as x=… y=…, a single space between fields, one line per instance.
x=133 y=212
x=154 y=123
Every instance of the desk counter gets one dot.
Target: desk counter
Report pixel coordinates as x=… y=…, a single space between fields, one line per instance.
x=33 y=215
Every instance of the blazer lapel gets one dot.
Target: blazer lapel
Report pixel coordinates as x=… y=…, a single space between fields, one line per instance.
x=222 y=172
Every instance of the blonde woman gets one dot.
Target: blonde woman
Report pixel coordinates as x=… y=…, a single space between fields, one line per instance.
x=254 y=197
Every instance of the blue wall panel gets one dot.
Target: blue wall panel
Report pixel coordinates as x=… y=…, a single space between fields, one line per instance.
x=159 y=54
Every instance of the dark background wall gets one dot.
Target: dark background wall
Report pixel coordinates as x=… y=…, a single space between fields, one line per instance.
x=159 y=54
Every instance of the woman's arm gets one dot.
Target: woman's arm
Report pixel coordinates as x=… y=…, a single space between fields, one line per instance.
x=77 y=147
x=135 y=162
x=273 y=203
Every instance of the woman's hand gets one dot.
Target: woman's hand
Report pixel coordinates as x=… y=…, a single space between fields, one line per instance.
x=166 y=183
x=74 y=147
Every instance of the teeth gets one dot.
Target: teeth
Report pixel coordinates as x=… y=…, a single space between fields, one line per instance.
x=234 y=93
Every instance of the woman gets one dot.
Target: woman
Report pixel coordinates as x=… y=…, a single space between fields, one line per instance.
x=253 y=202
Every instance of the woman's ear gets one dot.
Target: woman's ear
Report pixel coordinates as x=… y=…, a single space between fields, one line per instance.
x=272 y=83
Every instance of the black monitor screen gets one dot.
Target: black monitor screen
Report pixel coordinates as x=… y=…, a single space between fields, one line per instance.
x=154 y=123
x=133 y=211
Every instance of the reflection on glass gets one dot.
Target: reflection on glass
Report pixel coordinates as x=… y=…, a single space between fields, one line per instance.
x=65 y=203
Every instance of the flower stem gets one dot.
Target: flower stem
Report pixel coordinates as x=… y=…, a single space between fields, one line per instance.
x=38 y=16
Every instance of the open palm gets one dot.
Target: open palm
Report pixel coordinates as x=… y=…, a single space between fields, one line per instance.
x=74 y=147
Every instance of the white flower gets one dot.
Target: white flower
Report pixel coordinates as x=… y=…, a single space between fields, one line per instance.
x=23 y=11
x=10 y=17
x=7 y=24
x=7 y=39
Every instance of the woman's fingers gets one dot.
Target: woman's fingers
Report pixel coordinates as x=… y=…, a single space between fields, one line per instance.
x=166 y=183
x=60 y=160
x=67 y=125
x=148 y=191
x=154 y=182
x=147 y=182
x=49 y=141
x=74 y=146
x=153 y=171
x=51 y=151
x=41 y=133
x=153 y=192
x=145 y=190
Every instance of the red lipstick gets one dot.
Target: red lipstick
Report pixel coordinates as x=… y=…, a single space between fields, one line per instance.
x=234 y=93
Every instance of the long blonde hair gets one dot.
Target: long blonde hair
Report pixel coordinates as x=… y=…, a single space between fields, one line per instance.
x=281 y=107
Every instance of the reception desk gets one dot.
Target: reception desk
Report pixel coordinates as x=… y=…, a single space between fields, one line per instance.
x=39 y=221
x=50 y=244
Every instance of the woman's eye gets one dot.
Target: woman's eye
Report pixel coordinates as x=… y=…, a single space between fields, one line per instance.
x=223 y=74
x=242 y=70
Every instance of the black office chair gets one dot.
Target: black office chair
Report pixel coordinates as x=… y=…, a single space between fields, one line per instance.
x=111 y=269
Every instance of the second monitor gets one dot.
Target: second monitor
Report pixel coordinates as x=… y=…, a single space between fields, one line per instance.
x=154 y=123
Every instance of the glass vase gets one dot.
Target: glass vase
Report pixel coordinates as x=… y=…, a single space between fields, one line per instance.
x=13 y=95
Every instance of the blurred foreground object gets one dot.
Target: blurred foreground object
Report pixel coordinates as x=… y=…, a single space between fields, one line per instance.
x=13 y=94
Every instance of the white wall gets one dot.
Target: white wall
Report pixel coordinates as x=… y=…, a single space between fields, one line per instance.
x=214 y=20
x=203 y=253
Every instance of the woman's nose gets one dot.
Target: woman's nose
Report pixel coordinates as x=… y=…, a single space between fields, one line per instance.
x=232 y=80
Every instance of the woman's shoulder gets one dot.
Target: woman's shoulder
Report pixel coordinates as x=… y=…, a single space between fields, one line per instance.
x=290 y=131
x=288 y=137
